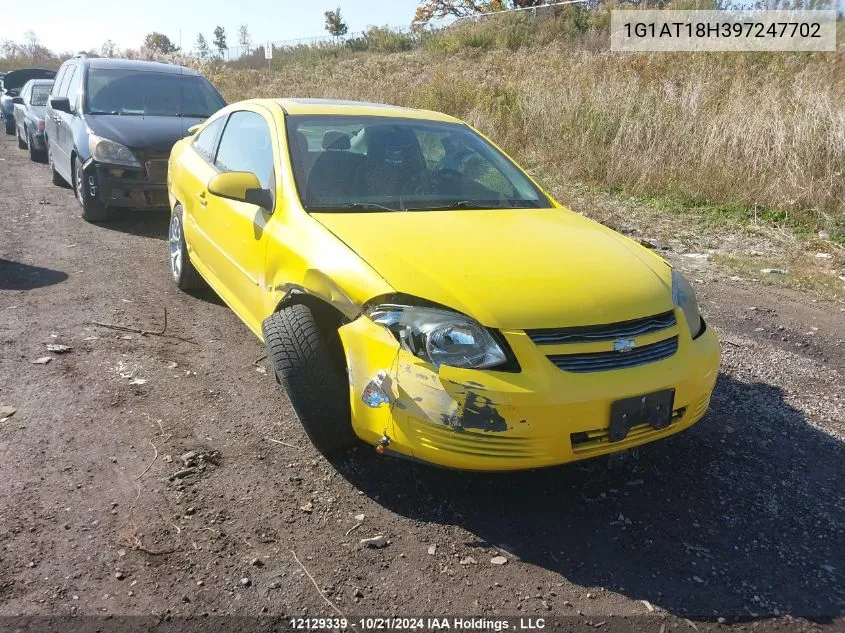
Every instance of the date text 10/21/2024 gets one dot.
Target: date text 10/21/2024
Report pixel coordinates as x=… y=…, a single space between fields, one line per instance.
x=433 y=623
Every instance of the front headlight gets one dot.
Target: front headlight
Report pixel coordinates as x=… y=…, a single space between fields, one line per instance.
x=683 y=296
x=105 y=150
x=441 y=337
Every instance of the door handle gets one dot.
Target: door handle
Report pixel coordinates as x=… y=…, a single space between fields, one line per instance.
x=203 y=201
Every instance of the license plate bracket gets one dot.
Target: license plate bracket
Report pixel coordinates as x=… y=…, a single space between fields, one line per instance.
x=654 y=409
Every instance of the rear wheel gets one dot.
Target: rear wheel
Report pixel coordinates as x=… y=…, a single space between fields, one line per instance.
x=306 y=362
x=10 y=127
x=185 y=276
x=92 y=209
x=35 y=155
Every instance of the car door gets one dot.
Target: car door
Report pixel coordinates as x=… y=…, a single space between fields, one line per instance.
x=71 y=91
x=190 y=180
x=58 y=142
x=20 y=110
x=236 y=229
x=51 y=116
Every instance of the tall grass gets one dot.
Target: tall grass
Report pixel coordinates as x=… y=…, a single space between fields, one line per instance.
x=764 y=130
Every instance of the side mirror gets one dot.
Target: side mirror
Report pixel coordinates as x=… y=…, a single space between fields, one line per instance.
x=193 y=129
x=242 y=186
x=18 y=100
x=62 y=104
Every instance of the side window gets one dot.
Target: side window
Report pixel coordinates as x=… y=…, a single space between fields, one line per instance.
x=206 y=140
x=73 y=88
x=58 y=81
x=246 y=146
x=66 y=81
x=25 y=93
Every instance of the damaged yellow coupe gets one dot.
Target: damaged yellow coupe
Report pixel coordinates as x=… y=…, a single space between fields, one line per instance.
x=417 y=290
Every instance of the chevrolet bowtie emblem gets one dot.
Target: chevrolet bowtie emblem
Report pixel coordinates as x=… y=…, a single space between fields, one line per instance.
x=623 y=345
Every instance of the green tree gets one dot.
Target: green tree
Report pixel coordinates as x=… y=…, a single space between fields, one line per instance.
x=159 y=43
x=201 y=45
x=220 y=40
x=335 y=24
x=435 y=9
x=108 y=49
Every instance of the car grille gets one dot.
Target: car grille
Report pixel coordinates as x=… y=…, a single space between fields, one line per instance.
x=604 y=332
x=604 y=361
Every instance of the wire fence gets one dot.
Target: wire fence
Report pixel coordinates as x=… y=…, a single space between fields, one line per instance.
x=233 y=53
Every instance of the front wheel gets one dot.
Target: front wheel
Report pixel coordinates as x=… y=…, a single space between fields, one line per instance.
x=21 y=141
x=92 y=209
x=314 y=377
x=185 y=276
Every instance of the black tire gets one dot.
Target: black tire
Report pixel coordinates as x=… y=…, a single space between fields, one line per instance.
x=55 y=178
x=306 y=361
x=10 y=127
x=92 y=209
x=185 y=276
x=21 y=142
x=35 y=155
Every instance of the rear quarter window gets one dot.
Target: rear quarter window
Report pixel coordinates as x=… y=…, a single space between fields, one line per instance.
x=206 y=140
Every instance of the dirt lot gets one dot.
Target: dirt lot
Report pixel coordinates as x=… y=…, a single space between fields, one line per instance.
x=741 y=517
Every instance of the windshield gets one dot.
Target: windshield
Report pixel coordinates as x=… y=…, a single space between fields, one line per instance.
x=360 y=163
x=142 y=93
x=39 y=94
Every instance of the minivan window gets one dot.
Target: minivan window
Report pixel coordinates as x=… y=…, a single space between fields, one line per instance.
x=246 y=146
x=59 y=78
x=145 y=93
x=66 y=81
x=73 y=88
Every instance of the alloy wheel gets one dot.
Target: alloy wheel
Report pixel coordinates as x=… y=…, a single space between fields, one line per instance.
x=175 y=238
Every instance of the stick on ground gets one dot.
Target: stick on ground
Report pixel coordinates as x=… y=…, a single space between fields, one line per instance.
x=316 y=586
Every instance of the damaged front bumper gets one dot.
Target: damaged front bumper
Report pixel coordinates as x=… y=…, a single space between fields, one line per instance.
x=492 y=420
x=126 y=187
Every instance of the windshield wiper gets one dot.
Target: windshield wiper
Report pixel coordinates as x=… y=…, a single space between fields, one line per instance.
x=193 y=116
x=358 y=206
x=367 y=206
x=460 y=204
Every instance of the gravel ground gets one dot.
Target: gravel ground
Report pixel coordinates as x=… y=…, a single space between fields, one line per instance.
x=167 y=475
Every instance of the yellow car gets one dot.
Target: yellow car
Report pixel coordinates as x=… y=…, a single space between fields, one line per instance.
x=419 y=291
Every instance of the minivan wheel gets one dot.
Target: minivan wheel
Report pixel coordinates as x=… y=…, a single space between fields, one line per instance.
x=185 y=276
x=315 y=381
x=10 y=127
x=92 y=209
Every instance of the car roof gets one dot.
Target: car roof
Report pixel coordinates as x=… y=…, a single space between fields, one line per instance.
x=138 y=65
x=296 y=106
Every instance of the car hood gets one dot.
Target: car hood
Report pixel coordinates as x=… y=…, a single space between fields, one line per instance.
x=511 y=269
x=140 y=132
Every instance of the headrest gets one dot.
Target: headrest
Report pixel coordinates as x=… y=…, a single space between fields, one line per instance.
x=336 y=140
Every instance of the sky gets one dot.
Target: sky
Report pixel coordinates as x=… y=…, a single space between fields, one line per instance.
x=72 y=26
